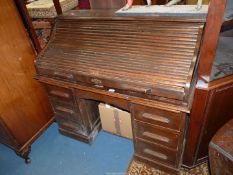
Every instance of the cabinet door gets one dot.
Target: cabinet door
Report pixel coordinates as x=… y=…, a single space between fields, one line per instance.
x=24 y=105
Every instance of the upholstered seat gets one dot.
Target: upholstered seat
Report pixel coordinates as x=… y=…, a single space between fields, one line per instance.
x=46 y=8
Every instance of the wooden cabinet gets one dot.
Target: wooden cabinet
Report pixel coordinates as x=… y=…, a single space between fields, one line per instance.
x=24 y=108
x=212 y=108
x=213 y=99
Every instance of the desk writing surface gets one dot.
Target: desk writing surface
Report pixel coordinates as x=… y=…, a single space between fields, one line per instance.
x=154 y=56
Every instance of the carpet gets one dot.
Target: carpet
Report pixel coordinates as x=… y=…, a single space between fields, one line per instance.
x=137 y=168
x=55 y=154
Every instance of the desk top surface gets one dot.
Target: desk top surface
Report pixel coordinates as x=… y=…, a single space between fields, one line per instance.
x=117 y=15
x=155 y=57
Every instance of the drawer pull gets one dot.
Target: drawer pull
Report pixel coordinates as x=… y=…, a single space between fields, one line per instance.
x=137 y=89
x=96 y=81
x=155 y=117
x=62 y=109
x=155 y=154
x=64 y=75
x=60 y=94
x=156 y=136
x=98 y=86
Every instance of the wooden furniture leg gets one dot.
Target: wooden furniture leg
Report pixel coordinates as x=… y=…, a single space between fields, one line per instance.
x=25 y=154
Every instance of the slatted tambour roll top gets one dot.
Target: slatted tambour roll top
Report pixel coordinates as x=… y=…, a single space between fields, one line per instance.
x=144 y=56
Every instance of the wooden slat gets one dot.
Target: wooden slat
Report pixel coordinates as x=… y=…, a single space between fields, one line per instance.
x=149 y=53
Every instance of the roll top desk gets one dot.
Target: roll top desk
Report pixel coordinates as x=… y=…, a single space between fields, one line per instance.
x=144 y=65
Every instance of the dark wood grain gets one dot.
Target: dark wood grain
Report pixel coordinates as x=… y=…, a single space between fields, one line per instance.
x=212 y=108
x=153 y=48
x=155 y=134
x=143 y=65
x=206 y=109
x=74 y=115
x=168 y=119
x=210 y=38
x=107 y=4
x=196 y=123
x=57 y=6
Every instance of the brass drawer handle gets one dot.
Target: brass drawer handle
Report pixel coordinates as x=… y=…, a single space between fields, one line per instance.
x=155 y=154
x=137 y=89
x=64 y=75
x=98 y=86
x=62 y=109
x=60 y=94
x=96 y=81
x=156 y=136
x=155 y=117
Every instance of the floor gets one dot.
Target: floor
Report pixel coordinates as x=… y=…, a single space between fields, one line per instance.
x=138 y=168
x=54 y=154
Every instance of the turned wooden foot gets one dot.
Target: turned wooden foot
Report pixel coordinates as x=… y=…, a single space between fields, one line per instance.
x=25 y=155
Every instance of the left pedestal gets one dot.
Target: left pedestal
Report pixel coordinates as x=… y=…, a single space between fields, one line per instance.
x=76 y=118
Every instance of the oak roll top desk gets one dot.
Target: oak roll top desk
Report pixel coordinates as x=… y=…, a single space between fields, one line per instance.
x=144 y=65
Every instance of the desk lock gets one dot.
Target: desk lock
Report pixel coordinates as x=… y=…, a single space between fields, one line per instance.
x=97 y=82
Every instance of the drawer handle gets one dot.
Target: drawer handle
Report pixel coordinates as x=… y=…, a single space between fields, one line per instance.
x=155 y=154
x=156 y=136
x=96 y=81
x=155 y=117
x=137 y=89
x=64 y=75
x=60 y=94
x=98 y=86
x=62 y=109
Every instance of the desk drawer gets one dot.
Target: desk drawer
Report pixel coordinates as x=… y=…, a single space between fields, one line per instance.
x=157 y=135
x=158 y=117
x=60 y=93
x=67 y=111
x=156 y=152
x=70 y=125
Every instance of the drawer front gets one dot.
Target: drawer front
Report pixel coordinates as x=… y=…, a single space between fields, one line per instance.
x=156 y=152
x=56 y=74
x=157 y=134
x=158 y=117
x=66 y=111
x=71 y=126
x=59 y=93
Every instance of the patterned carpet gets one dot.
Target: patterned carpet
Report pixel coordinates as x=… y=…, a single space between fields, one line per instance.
x=137 y=168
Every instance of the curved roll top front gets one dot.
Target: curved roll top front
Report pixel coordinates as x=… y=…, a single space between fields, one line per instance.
x=150 y=56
